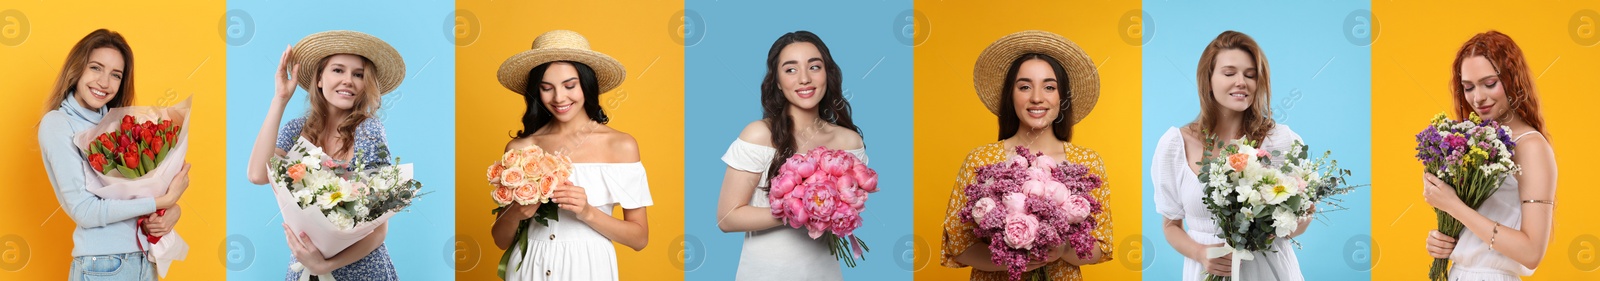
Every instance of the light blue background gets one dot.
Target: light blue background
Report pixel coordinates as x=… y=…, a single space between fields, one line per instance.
x=1321 y=88
x=419 y=118
x=723 y=75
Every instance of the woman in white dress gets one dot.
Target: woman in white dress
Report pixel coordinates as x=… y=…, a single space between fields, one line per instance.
x=561 y=81
x=1491 y=78
x=803 y=107
x=1235 y=97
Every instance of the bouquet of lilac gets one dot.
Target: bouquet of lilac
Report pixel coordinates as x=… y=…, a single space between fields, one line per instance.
x=1029 y=204
x=1474 y=156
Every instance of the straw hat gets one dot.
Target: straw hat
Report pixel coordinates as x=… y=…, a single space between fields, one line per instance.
x=995 y=60
x=311 y=49
x=560 y=45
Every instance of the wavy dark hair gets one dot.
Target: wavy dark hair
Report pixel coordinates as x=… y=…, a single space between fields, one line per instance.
x=536 y=116
x=1010 y=122
x=833 y=107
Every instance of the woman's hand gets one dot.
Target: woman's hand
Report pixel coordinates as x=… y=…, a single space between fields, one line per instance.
x=158 y=225
x=1439 y=245
x=1219 y=266
x=305 y=252
x=574 y=199
x=1440 y=194
x=175 y=189
x=284 y=82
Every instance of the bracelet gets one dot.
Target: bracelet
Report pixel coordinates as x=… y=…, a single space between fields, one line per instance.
x=1496 y=234
x=1547 y=202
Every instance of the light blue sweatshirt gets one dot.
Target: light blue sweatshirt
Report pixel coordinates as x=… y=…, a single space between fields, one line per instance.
x=104 y=226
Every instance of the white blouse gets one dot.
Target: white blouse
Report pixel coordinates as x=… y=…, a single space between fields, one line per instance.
x=781 y=252
x=568 y=249
x=1178 y=194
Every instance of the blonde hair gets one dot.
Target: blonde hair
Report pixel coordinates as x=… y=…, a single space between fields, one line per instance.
x=1257 y=121
x=366 y=106
x=78 y=59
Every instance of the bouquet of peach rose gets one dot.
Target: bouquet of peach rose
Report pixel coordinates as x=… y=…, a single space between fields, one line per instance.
x=527 y=176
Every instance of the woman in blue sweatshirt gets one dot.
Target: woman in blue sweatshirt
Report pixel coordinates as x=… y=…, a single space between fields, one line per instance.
x=97 y=75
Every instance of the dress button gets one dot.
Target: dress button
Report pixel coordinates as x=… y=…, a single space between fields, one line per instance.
x=547 y=272
x=552 y=237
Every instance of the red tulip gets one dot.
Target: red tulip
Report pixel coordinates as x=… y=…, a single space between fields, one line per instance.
x=130 y=160
x=98 y=161
x=127 y=122
x=105 y=140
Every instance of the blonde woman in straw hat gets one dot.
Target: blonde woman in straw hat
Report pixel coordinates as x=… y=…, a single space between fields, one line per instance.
x=1039 y=85
x=1235 y=98
x=348 y=74
x=561 y=80
x=803 y=106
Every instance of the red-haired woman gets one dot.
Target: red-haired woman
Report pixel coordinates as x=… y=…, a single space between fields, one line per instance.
x=1491 y=79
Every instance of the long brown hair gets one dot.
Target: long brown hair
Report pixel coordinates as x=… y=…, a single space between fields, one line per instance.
x=833 y=107
x=1508 y=62
x=1257 y=121
x=365 y=106
x=1010 y=123
x=78 y=58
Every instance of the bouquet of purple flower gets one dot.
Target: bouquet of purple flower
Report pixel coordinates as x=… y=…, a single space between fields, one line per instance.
x=1029 y=204
x=1474 y=156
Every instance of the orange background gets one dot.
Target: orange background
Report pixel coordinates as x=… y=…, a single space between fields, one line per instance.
x=178 y=54
x=648 y=105
x=959 y=31
x=1411 y=60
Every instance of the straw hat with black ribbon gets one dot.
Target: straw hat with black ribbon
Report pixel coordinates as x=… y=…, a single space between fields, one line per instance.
x=1083 y=79
x=391 y=69
x=560 y=45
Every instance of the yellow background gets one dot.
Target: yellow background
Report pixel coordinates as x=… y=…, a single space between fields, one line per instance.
x=178 y=53
x=951 y=121
x=648 y=105
x=1411 y=79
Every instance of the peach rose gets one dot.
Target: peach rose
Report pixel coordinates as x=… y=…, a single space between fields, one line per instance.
x=1238 y=161
x=297 y=172
x=502 y=196
x=513 y=178
x=494 y=173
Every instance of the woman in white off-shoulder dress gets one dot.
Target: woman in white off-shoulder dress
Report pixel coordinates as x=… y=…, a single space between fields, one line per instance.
x=803 y=107
x=561 y=81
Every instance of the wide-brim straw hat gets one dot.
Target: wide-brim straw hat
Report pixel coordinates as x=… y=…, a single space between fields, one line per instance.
x=560 y=45
x=391 y=69
x=1084 y=80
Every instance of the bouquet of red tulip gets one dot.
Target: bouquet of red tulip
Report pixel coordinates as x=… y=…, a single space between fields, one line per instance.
x=136 y=156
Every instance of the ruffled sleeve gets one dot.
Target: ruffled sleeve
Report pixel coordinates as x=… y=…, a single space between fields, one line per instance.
x=749 y=157
x=1165 y=173
x=289 y=133
x=624 y=184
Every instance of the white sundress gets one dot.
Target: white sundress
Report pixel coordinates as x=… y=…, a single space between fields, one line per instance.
x=1472 y=259
x=1178 y=194
x=781 y=252
x=568 y=249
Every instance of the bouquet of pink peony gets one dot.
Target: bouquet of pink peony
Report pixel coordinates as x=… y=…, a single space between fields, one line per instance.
x=1474 y=156
x=527 y=176
x=824 y=191
x=1029 y=204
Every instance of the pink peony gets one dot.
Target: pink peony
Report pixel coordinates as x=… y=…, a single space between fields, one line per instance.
x=1020 y=230
x=1077 y=209
x=802 y=167
x=782 y=184
x=867 y=178
x=1034 y=188
x=1045 y=161
x=1015 y=203
x=982 y=208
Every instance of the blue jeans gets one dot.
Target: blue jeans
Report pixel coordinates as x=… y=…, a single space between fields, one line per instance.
x=125 y=266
